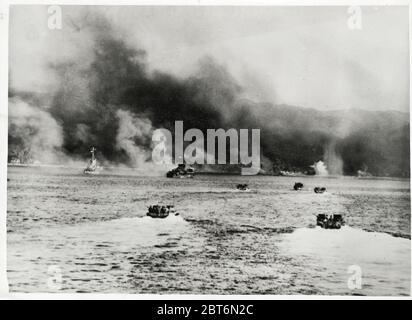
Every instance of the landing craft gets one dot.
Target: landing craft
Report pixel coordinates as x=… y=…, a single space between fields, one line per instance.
x=182 y=171
x=330 y=221
x=298 y=186
x=319 y=189
x=242 y=187
x=161 y=211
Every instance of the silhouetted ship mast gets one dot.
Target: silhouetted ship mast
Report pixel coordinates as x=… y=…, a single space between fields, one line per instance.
x=92 y=164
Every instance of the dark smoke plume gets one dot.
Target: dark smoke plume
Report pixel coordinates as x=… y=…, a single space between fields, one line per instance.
x=112 y=100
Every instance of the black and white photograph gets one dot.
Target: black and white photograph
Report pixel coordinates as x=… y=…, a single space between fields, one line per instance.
x=207 y=150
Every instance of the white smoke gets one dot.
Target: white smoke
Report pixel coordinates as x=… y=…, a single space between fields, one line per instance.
x=131 y=131
x=333 y=164
x=134 y=132
x=320 y=168
x=333 y=160
x=39 y=137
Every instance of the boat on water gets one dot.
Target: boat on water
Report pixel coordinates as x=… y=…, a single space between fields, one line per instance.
x=242 y=187
x=161 y=211
x=182 y=171
x=319 y=190
x=330 y=221
x=92 y=167
x=298 y=186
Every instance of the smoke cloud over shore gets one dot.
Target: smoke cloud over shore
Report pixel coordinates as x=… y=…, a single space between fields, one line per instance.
x=106 y=94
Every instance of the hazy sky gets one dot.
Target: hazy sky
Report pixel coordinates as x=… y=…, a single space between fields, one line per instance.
x=304 y=56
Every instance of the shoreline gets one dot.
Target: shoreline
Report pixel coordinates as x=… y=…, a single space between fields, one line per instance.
x=207 y=173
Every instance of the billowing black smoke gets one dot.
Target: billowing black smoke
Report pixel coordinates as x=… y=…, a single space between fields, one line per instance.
x=112 y=100
x=88 y=101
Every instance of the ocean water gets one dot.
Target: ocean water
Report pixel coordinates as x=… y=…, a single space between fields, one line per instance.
x=93 y=232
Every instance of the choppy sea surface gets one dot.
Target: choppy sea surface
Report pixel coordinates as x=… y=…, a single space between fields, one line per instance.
x=92 y=233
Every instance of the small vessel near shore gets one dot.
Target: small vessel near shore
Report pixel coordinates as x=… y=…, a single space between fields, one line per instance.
x=319 y=190
x=330 y=221
x=161 y=211
x=242 y=187
x=182 y=171
x=92 y=167
x=298 y=186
